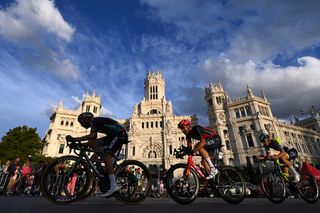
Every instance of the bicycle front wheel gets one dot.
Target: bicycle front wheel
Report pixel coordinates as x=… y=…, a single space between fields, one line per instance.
x=231 y=185
x=308 y=188
x=273 y=187
x=182 y=188
x=134 y=180
x=65 y=180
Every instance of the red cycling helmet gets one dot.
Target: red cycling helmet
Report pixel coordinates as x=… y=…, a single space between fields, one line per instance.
x=183 y=123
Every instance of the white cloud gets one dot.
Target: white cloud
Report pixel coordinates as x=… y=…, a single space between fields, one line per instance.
x=39 y=32
x=76 y=100
x=258 y=30
x=27 y=20
x=288 y=88
x=106 y=112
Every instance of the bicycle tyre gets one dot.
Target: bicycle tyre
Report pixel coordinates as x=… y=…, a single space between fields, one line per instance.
x=172 y=191
x=275 y=195
x=139 y=193
x=90 y=191
x=231 y=185
x=307 y=181
x=63 y=197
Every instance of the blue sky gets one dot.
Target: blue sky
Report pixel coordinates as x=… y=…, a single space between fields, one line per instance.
x=58 y=50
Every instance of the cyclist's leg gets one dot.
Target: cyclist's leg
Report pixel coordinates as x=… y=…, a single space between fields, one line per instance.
x=288 y=165
x=111 y=146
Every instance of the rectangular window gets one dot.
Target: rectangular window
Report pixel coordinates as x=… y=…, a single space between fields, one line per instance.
x=156 y=124
x=147 y=124
x=142 y=125
x=248 y=110
x=95 y=109
x=61 y=148
x=88 y=108
x=225 y=133
x=151 y=124
x=133 y=151
x=237 y=113
x=161 y=124
x=210 y=102
x=243 y=113
x=250 y=140
x=228 y=145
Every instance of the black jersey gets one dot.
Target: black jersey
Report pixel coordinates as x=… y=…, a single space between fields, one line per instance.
x=197 y=132
x=275 y=144
x=107 y=126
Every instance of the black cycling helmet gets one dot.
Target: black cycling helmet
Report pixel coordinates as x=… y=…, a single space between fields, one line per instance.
x=263 y=136
x=85 y=115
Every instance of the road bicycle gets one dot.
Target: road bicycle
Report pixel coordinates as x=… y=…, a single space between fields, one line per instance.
x=183 y=181
x=74 y=178
x=277 y=186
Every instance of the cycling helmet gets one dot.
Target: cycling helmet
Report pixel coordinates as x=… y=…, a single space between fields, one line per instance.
x=183 y=123
x=263 y=136
x=85 y=115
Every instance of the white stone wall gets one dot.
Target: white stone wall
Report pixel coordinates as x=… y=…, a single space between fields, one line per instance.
x=240 y=121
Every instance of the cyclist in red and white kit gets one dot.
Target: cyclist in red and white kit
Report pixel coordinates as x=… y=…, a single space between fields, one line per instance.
x=209 y=141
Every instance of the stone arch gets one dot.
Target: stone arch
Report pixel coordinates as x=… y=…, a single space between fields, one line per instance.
x=152 y=151
x=154 y=111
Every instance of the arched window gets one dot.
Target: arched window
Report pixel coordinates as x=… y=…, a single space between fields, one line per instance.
x=154 y=111
x=152 y=154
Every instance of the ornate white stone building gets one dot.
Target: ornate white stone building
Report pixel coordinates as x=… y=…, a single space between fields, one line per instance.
x=64 y=122
x=239 y=122
x=153 y=128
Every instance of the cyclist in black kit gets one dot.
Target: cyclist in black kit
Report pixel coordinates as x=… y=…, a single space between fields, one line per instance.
x=116 y=135
x=209 y=141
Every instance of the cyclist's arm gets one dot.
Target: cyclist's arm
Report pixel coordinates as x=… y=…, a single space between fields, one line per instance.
x=281 y=154
x=92 y=136
x=199 y=145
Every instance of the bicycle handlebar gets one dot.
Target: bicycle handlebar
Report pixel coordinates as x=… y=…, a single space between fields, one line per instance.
x=77 y=145
x=181 y=151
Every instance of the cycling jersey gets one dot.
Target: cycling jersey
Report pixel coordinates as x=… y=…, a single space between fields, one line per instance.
x=197 y=132
x=107 y=126
x=116 y=134
x=275 y=144
x=211 y=137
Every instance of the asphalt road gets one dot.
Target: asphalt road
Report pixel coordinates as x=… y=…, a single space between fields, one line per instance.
x=155 y=205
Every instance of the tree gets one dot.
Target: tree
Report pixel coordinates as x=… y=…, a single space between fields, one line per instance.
x=21 y=142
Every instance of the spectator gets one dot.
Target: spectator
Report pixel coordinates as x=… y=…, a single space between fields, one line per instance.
x=1 y=169
x=25 y=181
x=6 y=166
x=14 y=171
x=35 y=190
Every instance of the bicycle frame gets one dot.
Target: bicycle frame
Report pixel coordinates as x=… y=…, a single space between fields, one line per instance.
x=83 y=155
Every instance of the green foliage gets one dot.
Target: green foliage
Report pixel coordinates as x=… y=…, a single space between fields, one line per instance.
x=21 y=142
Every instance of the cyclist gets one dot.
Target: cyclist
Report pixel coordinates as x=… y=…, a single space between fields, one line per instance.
x=281 y=153
x=115 y=137
x=209 y=141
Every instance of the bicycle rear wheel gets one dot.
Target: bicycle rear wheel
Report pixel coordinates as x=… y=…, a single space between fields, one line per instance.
x=65 y=180
x=181 y=188
x=231 y=185
x=273 y=187
x=134 y=180
x=308 y=188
